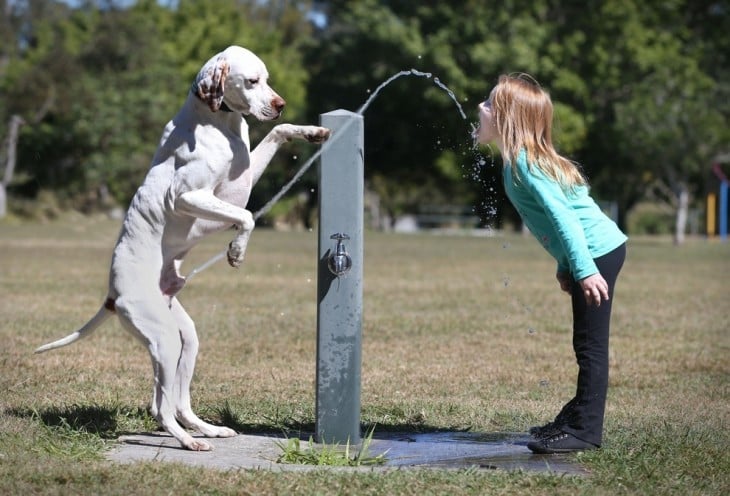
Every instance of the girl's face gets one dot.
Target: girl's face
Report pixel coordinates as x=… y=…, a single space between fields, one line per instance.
x=487 y=131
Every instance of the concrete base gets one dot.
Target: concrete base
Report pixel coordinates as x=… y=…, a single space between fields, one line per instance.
x=447 y=450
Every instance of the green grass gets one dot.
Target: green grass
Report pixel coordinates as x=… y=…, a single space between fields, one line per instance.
x=326 y=454
x=458 y=333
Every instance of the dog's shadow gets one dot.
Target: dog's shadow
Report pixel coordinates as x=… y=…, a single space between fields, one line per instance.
x=112 y=422
x=103 y=421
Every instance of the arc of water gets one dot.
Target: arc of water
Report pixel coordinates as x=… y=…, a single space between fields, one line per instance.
x=265 y=209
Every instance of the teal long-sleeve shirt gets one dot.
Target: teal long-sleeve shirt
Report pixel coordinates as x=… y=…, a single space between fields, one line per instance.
x=568 y=223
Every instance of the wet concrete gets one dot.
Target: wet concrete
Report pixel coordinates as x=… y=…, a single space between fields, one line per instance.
x=507 y=451
x=444 y=450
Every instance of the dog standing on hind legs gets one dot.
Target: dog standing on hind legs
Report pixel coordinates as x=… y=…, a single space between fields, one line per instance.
x=199 y=183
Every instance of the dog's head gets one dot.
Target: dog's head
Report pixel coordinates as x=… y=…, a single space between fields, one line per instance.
x=239 y=78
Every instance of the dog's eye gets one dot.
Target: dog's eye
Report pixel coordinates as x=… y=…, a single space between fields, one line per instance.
x=253 y=82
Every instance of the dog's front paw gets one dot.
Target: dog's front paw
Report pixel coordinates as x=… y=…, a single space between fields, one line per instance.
x=237 y=249
x=235 y=254
x=316 y=134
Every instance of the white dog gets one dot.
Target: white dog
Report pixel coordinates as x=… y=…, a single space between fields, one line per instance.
x=199 y=183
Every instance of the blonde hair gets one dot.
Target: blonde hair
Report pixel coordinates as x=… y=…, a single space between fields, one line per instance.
x=523 y=114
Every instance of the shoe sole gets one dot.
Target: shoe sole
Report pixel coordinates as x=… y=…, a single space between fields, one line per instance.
x=540 y=450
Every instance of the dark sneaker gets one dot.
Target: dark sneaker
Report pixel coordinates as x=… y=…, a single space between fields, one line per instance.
x=559 y=443
x=547 y=430
x=552 y=428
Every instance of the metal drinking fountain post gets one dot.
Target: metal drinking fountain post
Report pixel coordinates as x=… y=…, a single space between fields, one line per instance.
x=339 y=280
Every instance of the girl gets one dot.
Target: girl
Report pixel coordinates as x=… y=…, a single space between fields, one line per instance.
x=551 y=196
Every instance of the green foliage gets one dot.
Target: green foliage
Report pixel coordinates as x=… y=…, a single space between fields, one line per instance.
x=640 y=87
x=652 y=219
x=97 y=86
x=594 y=59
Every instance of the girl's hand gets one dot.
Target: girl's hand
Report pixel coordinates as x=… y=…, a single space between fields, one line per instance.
x=595 y=289
x=565 y=280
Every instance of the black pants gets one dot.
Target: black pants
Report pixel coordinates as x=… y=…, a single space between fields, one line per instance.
x=584 y=413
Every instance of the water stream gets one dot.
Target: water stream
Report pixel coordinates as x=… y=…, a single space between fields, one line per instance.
x=265 y=209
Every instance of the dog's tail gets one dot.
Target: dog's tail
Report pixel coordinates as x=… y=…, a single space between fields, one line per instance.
x=106 y=311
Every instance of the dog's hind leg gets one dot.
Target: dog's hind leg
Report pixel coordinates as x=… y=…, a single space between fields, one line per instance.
x=149 y=318
x=184 y=375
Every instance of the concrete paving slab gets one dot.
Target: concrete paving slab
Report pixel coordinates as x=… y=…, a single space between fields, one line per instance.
x=444 y=450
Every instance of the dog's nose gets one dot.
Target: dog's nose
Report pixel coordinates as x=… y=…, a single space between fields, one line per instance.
x=278 y=103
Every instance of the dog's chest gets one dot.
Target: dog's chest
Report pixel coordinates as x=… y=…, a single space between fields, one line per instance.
x=235 y=186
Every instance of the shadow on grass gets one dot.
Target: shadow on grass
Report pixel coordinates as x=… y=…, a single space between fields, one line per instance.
x=278 y=420
x=107 y=422
x=112 y=421
x=303 y=429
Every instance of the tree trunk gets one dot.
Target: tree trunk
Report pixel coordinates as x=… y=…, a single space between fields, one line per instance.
x=680 y=226
x=12 y=144
x=3 y=201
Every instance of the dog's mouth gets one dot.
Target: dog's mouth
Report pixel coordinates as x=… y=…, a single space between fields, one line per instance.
x=266 y=114
x=270 y=114
x=268 y=110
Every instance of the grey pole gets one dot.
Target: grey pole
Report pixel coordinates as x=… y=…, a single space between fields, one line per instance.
x=339 y=280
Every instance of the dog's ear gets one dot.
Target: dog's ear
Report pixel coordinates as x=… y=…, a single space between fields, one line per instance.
x=211 y=82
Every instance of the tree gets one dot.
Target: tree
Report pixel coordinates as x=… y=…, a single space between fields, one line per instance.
x=674 y=126
x=599 y=60
x=117 y=74
x=26 y=95
x=663 y=115
x=96 y=83
x=112 y=101
x=418 y=146
x=10 y=151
